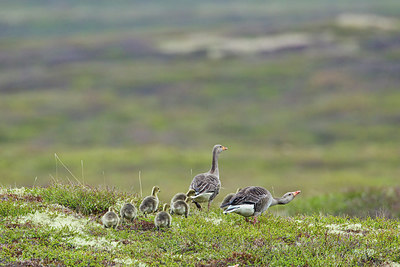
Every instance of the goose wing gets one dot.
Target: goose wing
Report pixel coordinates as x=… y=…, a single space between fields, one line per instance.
x=249 y=195
x=204 y=183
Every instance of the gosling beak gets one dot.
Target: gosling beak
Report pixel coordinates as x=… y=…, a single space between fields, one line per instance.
x=296 y=193
x=224 y=148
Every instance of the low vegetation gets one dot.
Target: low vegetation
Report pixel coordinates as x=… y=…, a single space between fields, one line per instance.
x=39 y=227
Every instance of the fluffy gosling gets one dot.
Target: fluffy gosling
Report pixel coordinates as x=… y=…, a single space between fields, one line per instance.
x=181 y=207
x=181 y=196
x=163 y=218
x=128 y=212
x=150 y=203
x=110 y=219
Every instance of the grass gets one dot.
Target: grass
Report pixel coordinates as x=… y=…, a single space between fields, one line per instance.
x=52 y=234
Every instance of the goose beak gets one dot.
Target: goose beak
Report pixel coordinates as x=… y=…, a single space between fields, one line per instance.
x=296 y=193
x=224 y=148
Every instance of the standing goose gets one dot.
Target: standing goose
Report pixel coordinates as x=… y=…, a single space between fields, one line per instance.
x=110 y=219
x=128 y=211
x=228 y=198
x=207 y=185
x=181 y=207
x=254 y=200
x=163 y=218
x=150 y=203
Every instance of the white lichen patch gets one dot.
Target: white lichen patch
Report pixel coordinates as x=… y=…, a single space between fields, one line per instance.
x=56 y=220
x=82 y=241
x=125 y=261
x=349 y=229
x=354 y=227
x=16 y=191
x=364 y=253
x=215 y=221
x=128 y=261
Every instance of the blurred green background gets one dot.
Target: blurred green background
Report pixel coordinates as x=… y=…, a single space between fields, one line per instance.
x=305 y=93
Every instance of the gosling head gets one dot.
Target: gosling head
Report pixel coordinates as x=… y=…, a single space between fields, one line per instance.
x=155 y=190
x=190 y=193
x=111 y=209
x=165 y=207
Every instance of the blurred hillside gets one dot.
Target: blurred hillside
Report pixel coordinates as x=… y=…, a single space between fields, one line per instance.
x=304 y=93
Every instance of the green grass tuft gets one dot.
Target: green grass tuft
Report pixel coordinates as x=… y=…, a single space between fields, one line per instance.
x=82 y=198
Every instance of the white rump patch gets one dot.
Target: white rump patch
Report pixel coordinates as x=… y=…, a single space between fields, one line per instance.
x=245 y=210
x=204 y=197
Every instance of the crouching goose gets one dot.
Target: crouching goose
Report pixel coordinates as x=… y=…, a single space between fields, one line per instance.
x=163 y=219
x=254 y=200
x=128 y=211
x=150 y=203
x=181 y=207
x=228 y=198
x=110 y=219
x=207 y=185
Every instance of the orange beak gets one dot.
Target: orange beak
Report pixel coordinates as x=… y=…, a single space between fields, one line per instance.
x=224 y=148
x=296 y=193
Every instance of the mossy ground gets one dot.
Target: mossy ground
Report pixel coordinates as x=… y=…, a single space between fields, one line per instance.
x=37 y=230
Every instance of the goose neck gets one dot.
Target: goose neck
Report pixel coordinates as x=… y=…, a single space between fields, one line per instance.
x=214 y=164
x=278 y=201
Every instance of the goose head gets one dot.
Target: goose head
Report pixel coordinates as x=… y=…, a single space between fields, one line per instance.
x=289 y=196
x=219 y=148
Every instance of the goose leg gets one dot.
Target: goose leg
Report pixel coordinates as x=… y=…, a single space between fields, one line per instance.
x=255 y=220
x=209 y=204
x=197 y=205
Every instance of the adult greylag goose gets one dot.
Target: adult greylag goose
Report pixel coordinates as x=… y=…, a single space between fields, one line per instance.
x=163 y=218
x=254 y=200
x=228 y=198
x=128 y=211
x=181 y=207
x=110 y=219
x=150 y=203
x=207 y=185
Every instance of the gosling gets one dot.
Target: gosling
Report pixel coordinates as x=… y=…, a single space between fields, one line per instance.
x=150 y=203
x=163 y=218
x=182 y=196
x=181 y=207
x=128 y=212
x=110 y=219
x=227 y=199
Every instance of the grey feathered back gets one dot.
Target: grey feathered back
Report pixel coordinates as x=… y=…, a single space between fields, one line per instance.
x=260 y=197
x=206 y=182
